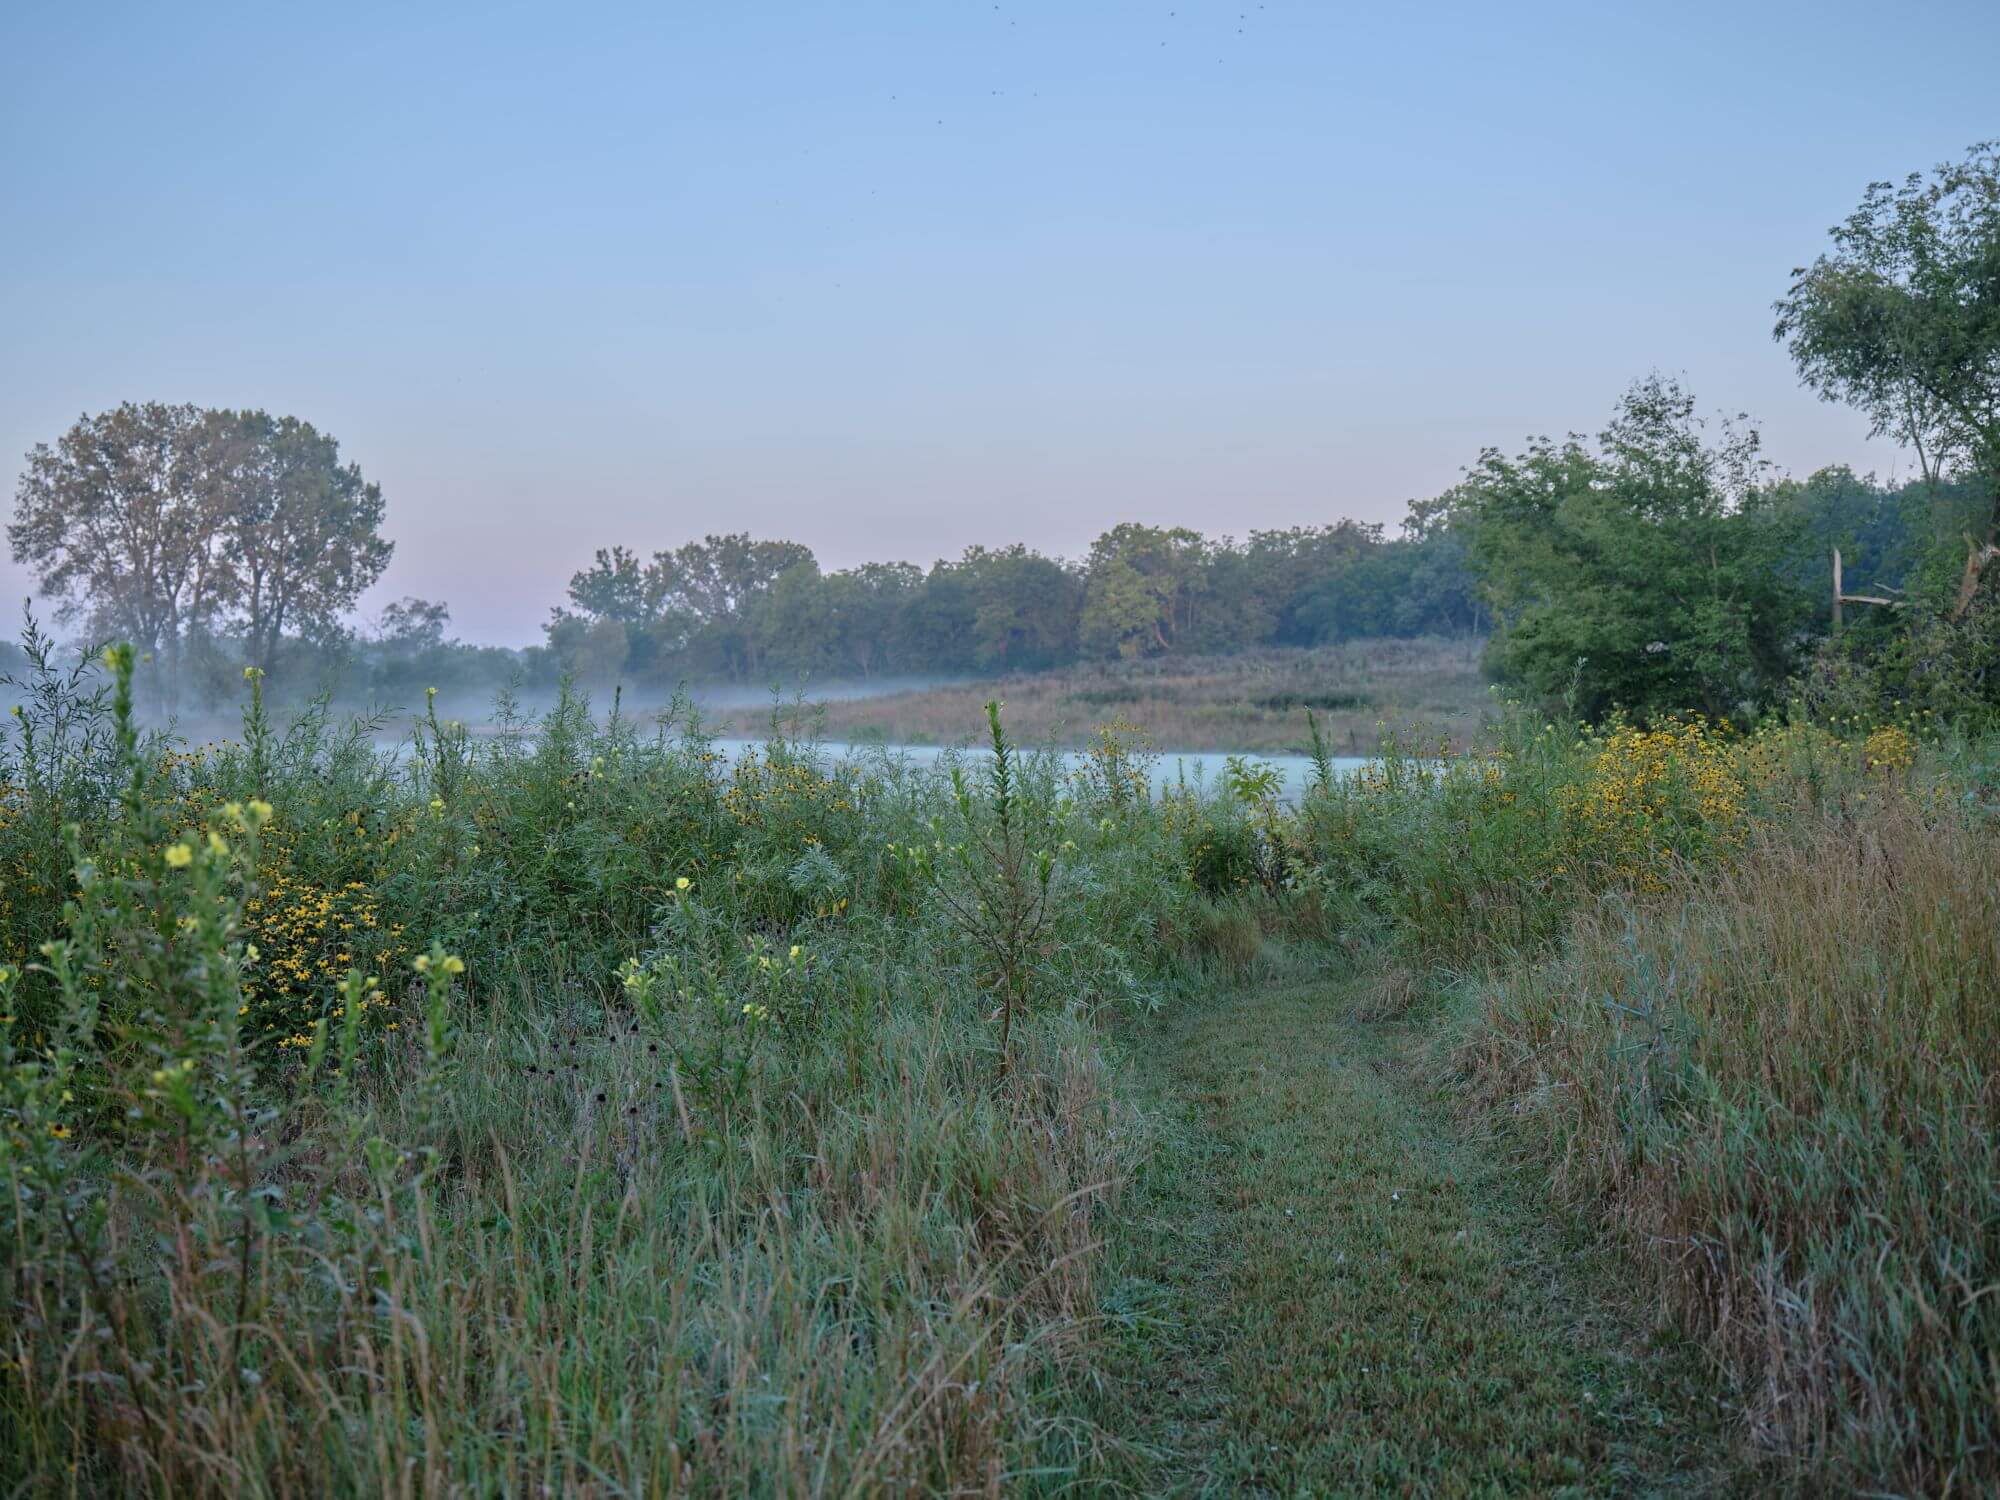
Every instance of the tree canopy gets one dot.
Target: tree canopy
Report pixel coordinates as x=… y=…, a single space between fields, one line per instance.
x=1642 y=572
x=1901 y=318
x=159 y=523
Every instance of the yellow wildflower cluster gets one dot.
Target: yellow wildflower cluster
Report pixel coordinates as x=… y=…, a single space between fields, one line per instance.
x=1889 y=750
x=786 y=795
x=1670 y=789
x=306 y=937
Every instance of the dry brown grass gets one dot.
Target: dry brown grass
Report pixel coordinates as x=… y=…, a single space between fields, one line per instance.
x=1249 y=703
x=1784 y=1078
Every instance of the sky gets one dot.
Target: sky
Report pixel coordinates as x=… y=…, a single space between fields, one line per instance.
x=894 y=278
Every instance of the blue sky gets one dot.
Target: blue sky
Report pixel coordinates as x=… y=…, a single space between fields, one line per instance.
x=894 y=278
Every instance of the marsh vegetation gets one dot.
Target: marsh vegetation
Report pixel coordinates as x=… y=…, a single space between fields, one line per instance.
x=1595 y=1092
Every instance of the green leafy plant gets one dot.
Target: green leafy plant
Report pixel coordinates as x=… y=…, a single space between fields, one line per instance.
x=993 y=869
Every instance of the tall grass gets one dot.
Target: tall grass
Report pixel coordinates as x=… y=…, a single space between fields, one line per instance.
x=568 y=1109
x=1780 y=1077
x=1251 y=702
x=752 y=1211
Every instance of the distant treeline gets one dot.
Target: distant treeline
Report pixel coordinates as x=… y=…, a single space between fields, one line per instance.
x=1555 y=554
x=1573 y=554
x=1657 y=568
x=746 y=610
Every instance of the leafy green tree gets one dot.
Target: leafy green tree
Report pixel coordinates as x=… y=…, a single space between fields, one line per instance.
x=411 y=625
x=791 y=622
x=122 y=524
x=1146 y=589
x=1902 y=320
x=301 y=531
x=1007 y=608
x=1294 y=571
x=163 y=524
x=868 y=609
x=1643 y=574
x=1025 y=609
x=616 y=586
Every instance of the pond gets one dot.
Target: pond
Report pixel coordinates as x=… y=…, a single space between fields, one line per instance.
x=1171 y=768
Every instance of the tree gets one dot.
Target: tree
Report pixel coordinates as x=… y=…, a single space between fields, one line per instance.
x=868 y=610
x=791 y=622
x=1024 y=608
x=301 y=530
x=160 y=522
x=1144 y=592
x=617 y=586
x=122 y=523
x=1646 y=573
x=1902 y=319
x=690 y=606
x=411 y=625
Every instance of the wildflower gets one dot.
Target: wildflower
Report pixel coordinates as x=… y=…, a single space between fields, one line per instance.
x=795 y=953
x=682 y=884
x=217 y=842
x=260 y=809
x=430 y=693
x=251 y=674
x=180 y=856
x=60 y=1132
x=453 y=964
x=423 y=963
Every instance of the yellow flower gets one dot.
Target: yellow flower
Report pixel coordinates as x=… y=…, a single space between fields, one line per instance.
x=795 y=952
x=454 y=964
x=682 y=884
x=261 y=809
x=217 y=842
x=180 y=855
x=60 y=1132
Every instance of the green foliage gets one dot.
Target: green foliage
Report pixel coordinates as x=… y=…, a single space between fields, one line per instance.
x=1644 y=574
x=1142 y=592
x=1902 y=318
x=162 y=523
x=673 y=1065
x=993 y=866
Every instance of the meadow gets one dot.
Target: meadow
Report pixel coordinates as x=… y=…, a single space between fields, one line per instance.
x=563 y=1109
x=1420 y=689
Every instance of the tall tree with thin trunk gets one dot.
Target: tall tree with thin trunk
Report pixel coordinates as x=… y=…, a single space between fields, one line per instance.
x=302 y=530
x=121 y=522
x=1902 y=319
x=154 y=522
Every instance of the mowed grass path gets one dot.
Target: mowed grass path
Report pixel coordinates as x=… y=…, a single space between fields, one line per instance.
x=1321 y=1287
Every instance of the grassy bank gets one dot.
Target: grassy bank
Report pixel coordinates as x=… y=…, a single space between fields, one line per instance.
x=1252 y=702
x=1738 y=997
x=569 y=1108
x=543 y=1114
x=1778 y=1077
